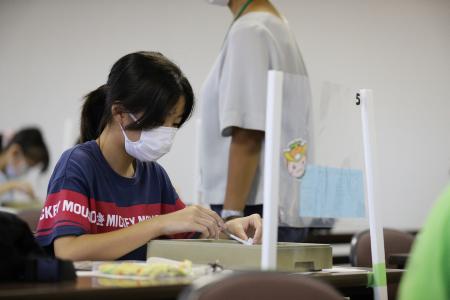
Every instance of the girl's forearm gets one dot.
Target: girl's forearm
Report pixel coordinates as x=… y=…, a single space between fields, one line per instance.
x=107 y=246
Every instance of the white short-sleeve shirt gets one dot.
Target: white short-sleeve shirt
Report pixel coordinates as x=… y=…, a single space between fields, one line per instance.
x=234 y=94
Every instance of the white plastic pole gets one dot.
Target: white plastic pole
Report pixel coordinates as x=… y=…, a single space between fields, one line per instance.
x=376 y=228
x=272 y=170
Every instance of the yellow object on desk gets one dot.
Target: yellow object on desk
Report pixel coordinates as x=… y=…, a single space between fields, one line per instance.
x=148 y=270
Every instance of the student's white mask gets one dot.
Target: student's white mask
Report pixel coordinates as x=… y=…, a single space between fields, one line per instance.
x=16 y=171
x=219 y=2
x=152 y=144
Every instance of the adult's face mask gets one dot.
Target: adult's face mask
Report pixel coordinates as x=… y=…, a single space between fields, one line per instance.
x=152 y=144
x=219 y=2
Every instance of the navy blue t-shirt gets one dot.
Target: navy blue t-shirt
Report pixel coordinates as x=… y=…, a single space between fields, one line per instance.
x=85 y=195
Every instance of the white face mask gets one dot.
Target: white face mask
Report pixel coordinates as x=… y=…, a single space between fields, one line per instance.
x=219 y=2
x=152 y=144
x=14 y=172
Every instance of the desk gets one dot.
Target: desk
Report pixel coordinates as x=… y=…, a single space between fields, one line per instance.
x=349 y=284
x=85 y=288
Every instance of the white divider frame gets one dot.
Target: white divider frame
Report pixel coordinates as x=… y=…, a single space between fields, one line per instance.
x=376 y=228
x=272 y=169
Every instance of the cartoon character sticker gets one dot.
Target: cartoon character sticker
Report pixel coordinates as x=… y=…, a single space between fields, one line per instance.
x=295 y=157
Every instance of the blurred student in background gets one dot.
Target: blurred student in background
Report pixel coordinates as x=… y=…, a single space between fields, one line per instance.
x=24 y=150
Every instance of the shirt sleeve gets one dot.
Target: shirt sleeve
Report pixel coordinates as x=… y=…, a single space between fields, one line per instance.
x=428 y=269
x=66 y=209
x=243 y=79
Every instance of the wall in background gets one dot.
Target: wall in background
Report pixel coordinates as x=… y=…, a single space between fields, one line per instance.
x=54 y=52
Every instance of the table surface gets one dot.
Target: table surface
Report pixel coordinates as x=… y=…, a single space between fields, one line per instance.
x=102 y=288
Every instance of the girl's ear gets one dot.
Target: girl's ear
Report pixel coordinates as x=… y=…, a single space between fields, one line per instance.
x=118 y=114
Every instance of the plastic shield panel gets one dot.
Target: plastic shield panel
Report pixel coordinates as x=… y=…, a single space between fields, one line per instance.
x=321 y=157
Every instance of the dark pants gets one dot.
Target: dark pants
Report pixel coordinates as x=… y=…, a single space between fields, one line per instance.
x=285 y=234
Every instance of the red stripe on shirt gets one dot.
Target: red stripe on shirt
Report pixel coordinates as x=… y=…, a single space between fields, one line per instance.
x=96 y=216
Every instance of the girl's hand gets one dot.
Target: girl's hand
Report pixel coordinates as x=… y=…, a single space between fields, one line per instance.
x=247 y=226
x=192 y=218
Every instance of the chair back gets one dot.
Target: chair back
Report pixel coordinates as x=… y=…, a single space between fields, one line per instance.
x=262 y=286
x=395 y=241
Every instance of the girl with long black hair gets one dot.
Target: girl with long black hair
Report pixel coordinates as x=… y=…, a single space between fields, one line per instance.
x=107 y=196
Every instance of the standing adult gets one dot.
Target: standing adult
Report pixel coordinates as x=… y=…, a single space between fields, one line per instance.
x=233 y=110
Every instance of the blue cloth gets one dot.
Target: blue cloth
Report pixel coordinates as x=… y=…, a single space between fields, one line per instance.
x=331 y=193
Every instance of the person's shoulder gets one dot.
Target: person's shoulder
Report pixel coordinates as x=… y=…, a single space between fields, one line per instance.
x=257 y=22
x=254 y=29
x=247 y=26
x=80 y=153
x=77 y=158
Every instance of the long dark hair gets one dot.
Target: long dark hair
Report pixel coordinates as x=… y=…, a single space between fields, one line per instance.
x=32 y=144
x=144 y=82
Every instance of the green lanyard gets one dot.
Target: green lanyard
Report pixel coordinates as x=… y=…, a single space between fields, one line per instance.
x=241 y=11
